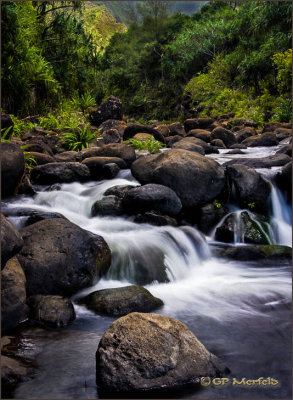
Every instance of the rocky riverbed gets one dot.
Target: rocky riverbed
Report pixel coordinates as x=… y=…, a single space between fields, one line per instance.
x=204 y=227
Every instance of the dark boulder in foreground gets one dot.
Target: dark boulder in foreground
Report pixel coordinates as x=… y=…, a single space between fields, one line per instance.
x=121 y=301
x=11 y=241
x=246 y=228
x=251 y=188
x=13 y=295
x=60 y=173
x=195 y=179
x=143 y=352
x=152 y=197
x=12 y=168
x=51 y=311
x=110 y=109
x=59 y=257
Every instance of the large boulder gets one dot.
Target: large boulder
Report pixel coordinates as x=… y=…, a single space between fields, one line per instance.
x=110 y=109
x=142 y=352
x=111 y=136
x=250 y=187
x=197 y=123
x=133 y=129
x=11 y=241
x=152 y=197
x=64 y=172
x=120 y=150
x=13 y=295
x=121 y=301
x=276 y=160
x=13 y=372
x=113 y=124
x=244 y=133
x=225 y=135
x=265 y=140
x=51 y=311
x=195 y=179
x=108 y=205
x=176 y=128
x=59 y=257
x=12 y=168
x=245 y=228
x=200 y=134
x=97 y=165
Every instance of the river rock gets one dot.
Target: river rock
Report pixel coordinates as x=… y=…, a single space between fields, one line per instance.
x=152 y=197
x=241 y=122
x=133 y=129
x=195 y=179
x=284 y=179
x=121 y=301
x=225 y=135
x=272 y=126
x=189 y=144
x=11 y=241
x=119 y=150
x=155 y=218
x=286 y=149
x=142 y=352
x=264 y=140
x=244 y=133
x=97 y=166
x=218 y=143
x=110 y=109
x=42 y=144
x=32 y=215
x=282 y=133
x=119 y=190
x=197 y=123
x=13 y=372
x=60 y=173
x=12 y=168
x=51 y=311
x=111 y=136
x=108 y=205
x=163 y=129
x=266 y=253
x=113 y=124
x=245 y=227
x=143 y=137
x=170 y=140
x=59 y=257
x=13 y=295
x=266 y=162
x=66 y=156
x=209 y=216
x=176 y=128
x=250 y=187
x=41 y=158
x=200 y=134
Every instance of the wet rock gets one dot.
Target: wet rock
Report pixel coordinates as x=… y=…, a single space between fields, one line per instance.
x=197 y=123
x=110 y=109
x=235 y=151
x=120 y=150
x=142 y=352
x=41 y=144
x=282 y=133
x=13 y=295
x=111 y=136
x=33 y=216
x=155 y=218
x=11 y=241
x=195 y=179
x=121 y=301
x=265 y=162
x=266 y=139
x=287 y=149
x=273 y=126
x=241 y=122
x=225 y=135
x=171 y=140
x=238 y=146
x=200 y=134
x=266 y=253
x=118 y=190
x=51 y=311
x=189 y=144
x=244 y=133
x=98 y=166
x=209 y=216
x=250 y=187
x=152 y=197
x=60 y=173
x=113 y=124
x=13 y=372
x=108 y=205
x=218 y=143
x=58 y=257
x=284 y=179
x=41 y=158
x=248 y=229
x=67 y=156
x=12 y=168
x=133 y=129
x=176 y=128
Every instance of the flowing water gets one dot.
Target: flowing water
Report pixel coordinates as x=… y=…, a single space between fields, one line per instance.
x=239 y=310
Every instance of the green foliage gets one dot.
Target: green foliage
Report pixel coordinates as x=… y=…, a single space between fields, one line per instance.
x=217 y=204
x=284 y=110
x=83 y=102
x=151 y=145
x=5 y=134
x=251 y=205
x=29 y=160
x=283 y=62
x=78 y=139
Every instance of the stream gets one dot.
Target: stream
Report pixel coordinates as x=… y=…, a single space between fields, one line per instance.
x=241 y=311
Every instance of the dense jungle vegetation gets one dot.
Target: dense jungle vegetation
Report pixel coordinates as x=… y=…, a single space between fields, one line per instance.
x=61 y=58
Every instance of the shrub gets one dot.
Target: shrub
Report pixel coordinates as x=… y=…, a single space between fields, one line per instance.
x=78 y=139
x=151 y=145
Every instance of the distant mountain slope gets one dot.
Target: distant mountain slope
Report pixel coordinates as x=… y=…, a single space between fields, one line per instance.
x=125 y=11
